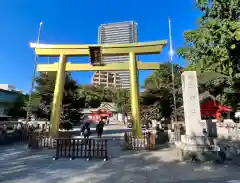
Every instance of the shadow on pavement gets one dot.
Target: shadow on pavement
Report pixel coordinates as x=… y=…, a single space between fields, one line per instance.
x=19 y=164
x=115 y=131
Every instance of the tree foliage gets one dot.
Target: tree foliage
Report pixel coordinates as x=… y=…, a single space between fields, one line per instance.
x=157 y=99
x=122 y=100
x=75 y=97
x=43 y=97
x=18 y=109
x=90 y=96
x=214 y=48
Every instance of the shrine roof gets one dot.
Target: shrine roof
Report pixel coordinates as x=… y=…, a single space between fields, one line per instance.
x=202 y=98
x=206 y=95
x=108 y=106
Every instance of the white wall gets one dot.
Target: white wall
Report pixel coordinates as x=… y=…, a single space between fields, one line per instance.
x=7 y=87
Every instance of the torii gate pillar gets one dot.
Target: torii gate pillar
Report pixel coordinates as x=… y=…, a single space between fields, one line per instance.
x=134 y=93
x=58 y=96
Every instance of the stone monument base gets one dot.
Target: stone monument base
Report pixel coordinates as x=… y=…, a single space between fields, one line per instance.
x=197 y=148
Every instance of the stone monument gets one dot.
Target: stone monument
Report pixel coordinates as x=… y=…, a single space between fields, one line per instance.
x=195 y=141
x=191 y=104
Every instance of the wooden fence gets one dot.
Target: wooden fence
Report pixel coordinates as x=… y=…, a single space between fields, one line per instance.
x=174 y=137
x=42 y=139
x=81 y=148
x=147 y=142
x=41 y=142
x=13 y=136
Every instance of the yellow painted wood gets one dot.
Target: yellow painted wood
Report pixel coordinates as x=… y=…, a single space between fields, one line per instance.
x=89 y=67
x=86 y=46
x=58 y=96
x=134 y=92
x=112 y=51
x=106 y=49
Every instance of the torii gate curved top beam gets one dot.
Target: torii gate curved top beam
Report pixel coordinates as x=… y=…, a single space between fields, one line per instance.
x=143 y=48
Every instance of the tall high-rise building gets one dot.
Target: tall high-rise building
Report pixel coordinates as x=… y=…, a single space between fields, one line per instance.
x=107 y=79
x=121 y=32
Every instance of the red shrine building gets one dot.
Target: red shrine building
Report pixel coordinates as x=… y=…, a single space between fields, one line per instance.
x=100 y=113
x=106 y=110
x=210 y=107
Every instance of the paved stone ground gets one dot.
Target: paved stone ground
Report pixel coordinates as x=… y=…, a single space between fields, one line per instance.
x=18 y=164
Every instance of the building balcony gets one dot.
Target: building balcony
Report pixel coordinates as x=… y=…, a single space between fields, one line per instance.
x=95 y=80
x=101 y=75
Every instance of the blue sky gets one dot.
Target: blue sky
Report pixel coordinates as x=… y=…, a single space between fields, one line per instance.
x=77 y=21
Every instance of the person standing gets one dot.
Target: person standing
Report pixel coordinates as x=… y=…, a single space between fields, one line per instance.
x=99 y=128
x=4 y=130
x=86 y=130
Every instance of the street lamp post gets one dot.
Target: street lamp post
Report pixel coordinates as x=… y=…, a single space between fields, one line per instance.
x=171 y=52
x=34 y=74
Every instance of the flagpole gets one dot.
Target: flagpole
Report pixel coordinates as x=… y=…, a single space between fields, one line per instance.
x=34 y=74
x=173 y=77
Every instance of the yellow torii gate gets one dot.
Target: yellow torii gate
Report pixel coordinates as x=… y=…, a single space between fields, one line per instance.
x=65 y=51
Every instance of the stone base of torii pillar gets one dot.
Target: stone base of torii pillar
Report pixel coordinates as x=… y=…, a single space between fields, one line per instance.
x=194 y=145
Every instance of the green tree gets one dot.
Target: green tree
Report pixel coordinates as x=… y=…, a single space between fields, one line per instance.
x=90 y=96
x=122 y=101
x=106 y=94
x=43 y=97
x=38 y=106
x=158 y=94
x=94 y=95
x=214 y=47
x=18 y=110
